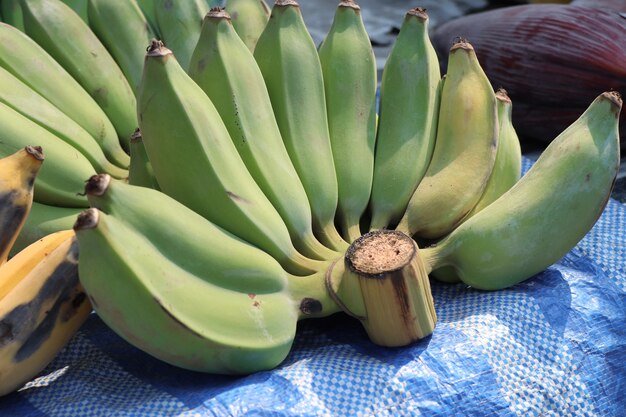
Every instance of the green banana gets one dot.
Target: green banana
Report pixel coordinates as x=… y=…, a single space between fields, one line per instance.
x=12 y=13
x=507 y=169
x=42 y=311
x=148 y=8
x=81 y=9
x=124 y=30
x=290 y=66
x=29 y=62
x=349 y=70
x=409 y=107
x=244 y=105
x=196 y=162
x=18 y=172
x=62 y=177
x=140 y=171
x=44 y=220
x=179 y=24
x=249 y=18
x=53 y=25
x=21 y=98
x=546 y=213
x=187 y=320
x=465 y=150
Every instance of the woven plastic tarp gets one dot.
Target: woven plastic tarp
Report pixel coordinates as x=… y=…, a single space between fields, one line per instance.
x=554 y=345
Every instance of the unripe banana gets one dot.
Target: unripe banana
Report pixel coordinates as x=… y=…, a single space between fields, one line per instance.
x=62 y=177
x=40 y=314
x=201 y=248
x=195 y=324
x=80 y=7
x=196 y=162
x=17 y=177
x=465 y=150
x=507 y=169
x=12 y=13
x=290 y=65
x=124 y=31
x=44 y=220
x=249 y=18
x=349 y=69
x=179 y=24
x=244 y=105
x=140 y=171
x=148 y=8
x=53 y=25
x=29 y=62
x=409 y=106
x=546 y=213
x=17 y=95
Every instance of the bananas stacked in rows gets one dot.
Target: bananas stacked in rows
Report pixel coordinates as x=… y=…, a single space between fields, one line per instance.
x=260 y=158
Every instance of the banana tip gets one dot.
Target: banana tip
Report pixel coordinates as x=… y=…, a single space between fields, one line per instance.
x=218 y=13
x=97 y=185
x=286 y=3
x=503 y=95
x=36 y=152
x=349 y=3
x=87 y=219
x=418 y=12
x=613 y=96
x=136 y=137
x=461 y=43
x=157 y=48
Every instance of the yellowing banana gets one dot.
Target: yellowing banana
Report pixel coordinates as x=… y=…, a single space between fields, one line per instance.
x=465 y=150
x=17 y=177
x=249 y=19
x=42 y=311
x=409 y=107
x=349 y=69
x=290 y=65
x=526 y=229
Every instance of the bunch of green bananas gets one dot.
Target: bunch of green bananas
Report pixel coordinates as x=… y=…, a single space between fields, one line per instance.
x=261 y=166
x=42 y=303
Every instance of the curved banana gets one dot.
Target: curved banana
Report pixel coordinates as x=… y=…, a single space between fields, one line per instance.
x=465 y=150
x=148 y=8
x=546 y=213
x=44 y=220
x=62 y=177
x=349 y=69
x=180 y=23
x=20 y=97
x=59 y=30
x=407 y=128
x=140 y=171
x=196 y=162
x=245 y=107
x=12 y=13
x=124 y=31
x=288 y=60
x=80 y=7
x=41 y=312
x=29 y=62
x=18 y=172
x=185 y=319
x=507 y=169
x=249 y=18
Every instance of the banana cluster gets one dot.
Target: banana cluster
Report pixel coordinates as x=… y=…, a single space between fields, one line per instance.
x=232 y=165
x=42 y=303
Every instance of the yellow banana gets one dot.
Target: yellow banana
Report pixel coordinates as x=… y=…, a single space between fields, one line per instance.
x=17 y=177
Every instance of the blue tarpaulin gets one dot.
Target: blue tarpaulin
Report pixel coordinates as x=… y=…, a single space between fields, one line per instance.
x=552 y=345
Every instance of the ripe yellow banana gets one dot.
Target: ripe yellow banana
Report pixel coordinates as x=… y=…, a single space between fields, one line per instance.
x=62 y=177
x=140 y=171
x=546 y=213
x=17 y=177
x=124 y=31
x=349 y=69
x=179 y=24
x=196 y=162
x=17 y=95
x=42 y=221
x=42 y=311
x=58 y=29
x=465 y=150
x=290 y=65
x=409 y=106
x=29 y=62
x=249 y=19
x=244 y=105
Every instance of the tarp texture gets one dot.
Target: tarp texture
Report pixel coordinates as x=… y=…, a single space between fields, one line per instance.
x=554 y=345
